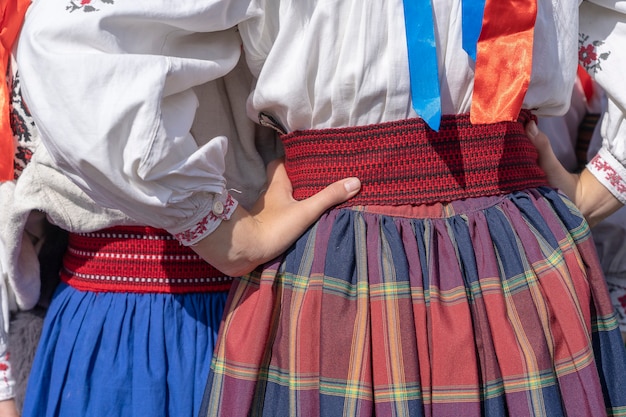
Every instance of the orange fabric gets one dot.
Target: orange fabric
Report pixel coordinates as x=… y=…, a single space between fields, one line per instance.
x=503 y=60
x=13 y=12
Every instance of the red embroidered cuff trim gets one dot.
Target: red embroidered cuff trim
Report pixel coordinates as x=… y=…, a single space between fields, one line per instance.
x=610 y=175
x=203 y=227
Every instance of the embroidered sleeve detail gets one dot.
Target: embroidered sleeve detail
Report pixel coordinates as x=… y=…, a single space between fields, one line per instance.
x=22 y=126
x=589 y=55
x=85 y=5
x=610 y=173
x=222 y=207
x=7 y=384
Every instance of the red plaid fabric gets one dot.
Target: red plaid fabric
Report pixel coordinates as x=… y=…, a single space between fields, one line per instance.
x=488 y=306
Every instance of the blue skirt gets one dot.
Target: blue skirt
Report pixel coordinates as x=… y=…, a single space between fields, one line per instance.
x=123 y=354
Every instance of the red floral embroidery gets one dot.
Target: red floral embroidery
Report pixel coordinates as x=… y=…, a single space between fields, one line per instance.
x=622 y=301
x=588 y=54
x=611 y=175
x=200 y=228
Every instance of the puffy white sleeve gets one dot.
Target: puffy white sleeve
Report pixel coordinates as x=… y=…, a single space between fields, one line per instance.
x=602 y=51
x=110 y=84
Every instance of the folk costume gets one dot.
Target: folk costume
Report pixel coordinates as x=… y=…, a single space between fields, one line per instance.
x=457 y=282
x=128 y=329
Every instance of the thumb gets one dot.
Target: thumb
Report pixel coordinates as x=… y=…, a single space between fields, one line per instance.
x=295 y=217
x=335 y=193
x=537 y=137
x=557 y=175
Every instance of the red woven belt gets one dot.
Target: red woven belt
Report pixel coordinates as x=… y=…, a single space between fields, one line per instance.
x=405 y=162
x=137 y=259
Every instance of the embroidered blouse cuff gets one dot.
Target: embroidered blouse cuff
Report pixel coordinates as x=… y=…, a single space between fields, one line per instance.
x=222 y=207
x=7 y=383
x=610 y=172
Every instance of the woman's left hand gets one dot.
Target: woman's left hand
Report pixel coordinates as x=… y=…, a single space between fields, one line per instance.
x=250 y=238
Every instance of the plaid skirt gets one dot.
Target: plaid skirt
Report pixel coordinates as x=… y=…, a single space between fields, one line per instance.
x=485 y=306
x=498 y=307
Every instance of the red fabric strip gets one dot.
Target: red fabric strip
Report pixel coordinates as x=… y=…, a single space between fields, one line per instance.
x=504 y=60
x=13 y=12
x=137 y=259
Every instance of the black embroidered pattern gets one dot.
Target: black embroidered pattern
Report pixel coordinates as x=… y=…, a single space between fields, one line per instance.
x=23 y=127
x=85 y=5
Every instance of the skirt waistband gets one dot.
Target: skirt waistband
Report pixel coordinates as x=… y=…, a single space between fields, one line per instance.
x=137 y=259
x=406 y=163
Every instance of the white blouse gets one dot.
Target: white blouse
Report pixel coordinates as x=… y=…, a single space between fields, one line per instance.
x=111 y=84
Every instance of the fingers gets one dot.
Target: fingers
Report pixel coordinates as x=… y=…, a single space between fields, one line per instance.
x=334 y=194
x=252 y=237
x=556 y=174
x=299 y=215
x=289 y=221
x=279 y=186
x=547 y=159
x=542 y=143
x=535 y=135
x=295 y=217
x=280 y=219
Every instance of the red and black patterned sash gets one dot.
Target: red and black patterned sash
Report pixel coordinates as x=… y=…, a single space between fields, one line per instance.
x=407 y=163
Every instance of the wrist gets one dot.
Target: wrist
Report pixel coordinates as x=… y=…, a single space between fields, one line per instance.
x=594 y=200
x=8 y=408
x=232 y=247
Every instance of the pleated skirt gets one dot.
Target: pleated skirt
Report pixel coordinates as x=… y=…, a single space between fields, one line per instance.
x=123 y=354
x=127 y=330
x=487 y=306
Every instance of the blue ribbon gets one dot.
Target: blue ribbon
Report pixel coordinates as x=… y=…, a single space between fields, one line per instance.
x=472 y=22
x=422 y=53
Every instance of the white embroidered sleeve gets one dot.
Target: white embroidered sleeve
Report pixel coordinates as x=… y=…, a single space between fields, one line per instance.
x=111 y=88
x=602 y=36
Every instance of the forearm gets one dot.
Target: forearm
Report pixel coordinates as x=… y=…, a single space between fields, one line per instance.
x=594 y=200
x=8 y=408
x=230 y=247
